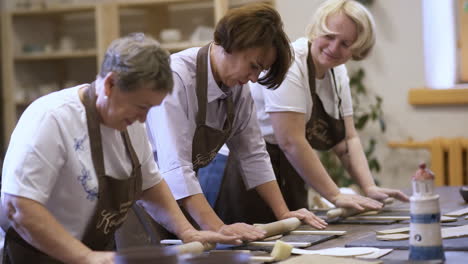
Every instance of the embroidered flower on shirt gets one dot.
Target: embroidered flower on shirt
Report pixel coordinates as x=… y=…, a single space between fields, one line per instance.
x=79 y=143
x=84 y=179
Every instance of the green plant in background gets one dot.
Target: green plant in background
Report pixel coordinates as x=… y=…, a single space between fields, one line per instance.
x=367 y=109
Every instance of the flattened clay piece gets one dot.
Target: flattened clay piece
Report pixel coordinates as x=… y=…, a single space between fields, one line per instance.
x=393 y=237
x=457 y=213
x=454 y=232
x=337 y=251
x=382 y=252
x=317 y=232
x=379 y=217
x=326 y=259
x=273 y=238
x=369 y=213
x=447 y=219
x=393 y=231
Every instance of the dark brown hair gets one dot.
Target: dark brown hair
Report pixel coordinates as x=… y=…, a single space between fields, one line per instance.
x=252 y=26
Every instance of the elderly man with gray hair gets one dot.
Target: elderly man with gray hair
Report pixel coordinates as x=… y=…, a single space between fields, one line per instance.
x=77 y=161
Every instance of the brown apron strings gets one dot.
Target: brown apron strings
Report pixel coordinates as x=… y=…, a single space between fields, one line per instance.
x=202 y=83
x=96 y=147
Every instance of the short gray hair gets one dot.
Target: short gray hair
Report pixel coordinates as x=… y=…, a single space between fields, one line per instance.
x=138 y=59
x=355 y=11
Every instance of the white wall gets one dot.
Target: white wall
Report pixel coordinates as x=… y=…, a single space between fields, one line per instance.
x=395 y=66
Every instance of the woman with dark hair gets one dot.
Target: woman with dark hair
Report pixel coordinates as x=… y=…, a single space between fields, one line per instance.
x=211 y=105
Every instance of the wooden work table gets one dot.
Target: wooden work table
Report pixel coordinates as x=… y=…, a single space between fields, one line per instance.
x=450 y=200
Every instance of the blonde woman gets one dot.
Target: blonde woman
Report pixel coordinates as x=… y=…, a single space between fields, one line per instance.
x=312 y=110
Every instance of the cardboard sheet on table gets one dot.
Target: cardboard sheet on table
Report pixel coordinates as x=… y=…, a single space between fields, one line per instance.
x=313 y=239
x=454 y=244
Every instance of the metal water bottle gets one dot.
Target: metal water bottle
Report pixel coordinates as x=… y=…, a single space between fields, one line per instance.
x=425 y=235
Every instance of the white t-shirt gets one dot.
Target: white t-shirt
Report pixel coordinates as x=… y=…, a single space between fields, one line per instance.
x=294 y=93
x=49 y=159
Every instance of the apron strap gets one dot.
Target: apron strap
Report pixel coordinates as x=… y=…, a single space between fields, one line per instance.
x=94 y=131
x=136 y=165
x=310 y=69
x=202 y=83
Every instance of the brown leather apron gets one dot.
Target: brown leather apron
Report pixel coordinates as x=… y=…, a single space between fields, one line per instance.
x=114 y=199
x=322 y=131
x=207 y=140
x=236 y=204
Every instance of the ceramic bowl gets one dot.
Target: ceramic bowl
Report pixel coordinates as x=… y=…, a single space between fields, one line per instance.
x=170 y=35
x=464 y=193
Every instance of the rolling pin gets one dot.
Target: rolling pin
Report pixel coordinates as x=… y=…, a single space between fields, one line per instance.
x=193 y=247
x=280 y=227
x=345 y=212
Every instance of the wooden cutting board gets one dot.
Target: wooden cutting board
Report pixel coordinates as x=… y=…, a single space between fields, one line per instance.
x=455 y=244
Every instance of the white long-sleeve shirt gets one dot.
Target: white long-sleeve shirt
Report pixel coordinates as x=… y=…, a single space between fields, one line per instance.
x=171 y=127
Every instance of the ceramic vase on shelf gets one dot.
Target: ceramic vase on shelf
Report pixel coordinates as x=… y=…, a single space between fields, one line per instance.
x=425 y=234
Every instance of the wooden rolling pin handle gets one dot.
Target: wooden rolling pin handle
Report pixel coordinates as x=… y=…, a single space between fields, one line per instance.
x=388 y=200
x=342 y=212
x=280 y=227
x=194 y=247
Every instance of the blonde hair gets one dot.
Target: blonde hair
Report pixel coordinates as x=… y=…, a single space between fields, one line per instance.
x=356 y=12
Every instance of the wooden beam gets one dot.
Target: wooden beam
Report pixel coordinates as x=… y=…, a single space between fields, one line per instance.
x=8 y=98
x=107 y=28
x=427 y=96
x=463 y=40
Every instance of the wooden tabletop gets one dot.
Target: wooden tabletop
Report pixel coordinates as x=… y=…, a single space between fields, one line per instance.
x=450 y=200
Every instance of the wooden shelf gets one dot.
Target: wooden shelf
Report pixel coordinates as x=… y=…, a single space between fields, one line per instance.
x=56 y=55
x=143 y=3
x=93 y=26
x=178 y=46
x=427 y=96
x=52 y=10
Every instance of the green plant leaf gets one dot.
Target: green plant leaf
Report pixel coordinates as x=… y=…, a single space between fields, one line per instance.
x=361 y=121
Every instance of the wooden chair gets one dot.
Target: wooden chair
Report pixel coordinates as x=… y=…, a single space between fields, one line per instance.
x=449 y=158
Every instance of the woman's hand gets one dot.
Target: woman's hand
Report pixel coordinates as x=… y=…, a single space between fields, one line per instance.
x=380 y=194
x=244 y=231
x=191 y=235
x=355 y=201
x=306 y=217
